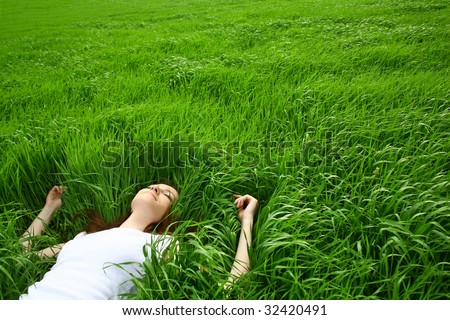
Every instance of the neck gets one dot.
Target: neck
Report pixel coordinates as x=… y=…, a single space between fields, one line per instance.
x=135 y=221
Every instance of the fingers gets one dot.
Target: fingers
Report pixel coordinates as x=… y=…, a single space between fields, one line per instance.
x=238 y=201
x=243 y=201
x=246 y=197
x=59 y=189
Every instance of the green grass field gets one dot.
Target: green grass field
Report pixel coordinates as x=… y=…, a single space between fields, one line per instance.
x=333 y=113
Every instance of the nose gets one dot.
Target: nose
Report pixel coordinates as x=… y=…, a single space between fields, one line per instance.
x=155 y=188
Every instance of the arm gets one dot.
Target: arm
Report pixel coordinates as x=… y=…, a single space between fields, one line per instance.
x=50 y=252
x=52 y=204
x=247 y=206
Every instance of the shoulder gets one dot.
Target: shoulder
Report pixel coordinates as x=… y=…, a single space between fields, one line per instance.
x=81 y=234
x=160 y=238
x=161 y=242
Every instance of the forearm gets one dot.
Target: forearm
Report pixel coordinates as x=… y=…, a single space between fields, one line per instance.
x=50 y=252
x=37 y=226
x=241 y=263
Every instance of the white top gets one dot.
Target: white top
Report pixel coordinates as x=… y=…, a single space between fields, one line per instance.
x=87 y=266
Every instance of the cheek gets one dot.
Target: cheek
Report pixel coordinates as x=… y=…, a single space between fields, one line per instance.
x=165 y=204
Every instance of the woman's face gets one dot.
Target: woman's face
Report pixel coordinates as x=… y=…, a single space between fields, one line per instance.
x=154 y=201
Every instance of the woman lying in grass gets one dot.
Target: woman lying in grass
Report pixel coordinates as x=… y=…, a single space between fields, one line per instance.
x=101 y=262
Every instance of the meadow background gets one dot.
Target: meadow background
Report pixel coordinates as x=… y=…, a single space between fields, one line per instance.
x=348 y=99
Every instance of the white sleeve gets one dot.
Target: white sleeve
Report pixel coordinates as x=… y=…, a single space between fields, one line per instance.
x=81 y=234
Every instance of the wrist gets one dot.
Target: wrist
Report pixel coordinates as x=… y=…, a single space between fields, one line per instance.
x=51 y=207
x=247 y=221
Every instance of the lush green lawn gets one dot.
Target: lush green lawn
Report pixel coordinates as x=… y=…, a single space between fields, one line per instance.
x=333 y=113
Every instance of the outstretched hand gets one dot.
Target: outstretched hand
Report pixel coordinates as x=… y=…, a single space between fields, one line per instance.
x=54 y=197
x=247 y=206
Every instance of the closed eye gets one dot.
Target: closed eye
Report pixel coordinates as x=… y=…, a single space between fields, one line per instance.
x=168 y=195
